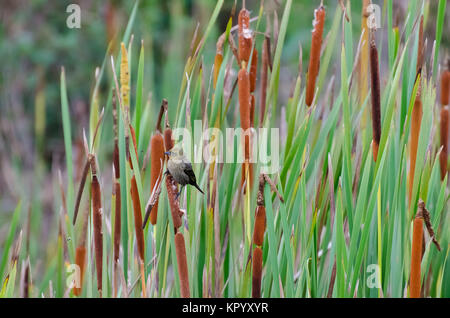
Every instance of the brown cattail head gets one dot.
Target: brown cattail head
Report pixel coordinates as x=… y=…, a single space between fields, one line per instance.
x=416 y=257
x=257 y=272
x=375 y=84
x=137 y=218
x=443 y=157
x=80 y=260
x=180 y=250
x=314 y=59
x=253 y=70
x=260 y=225
x=172 y=190
x=244 y=35
x=97 y=221
x=157 y=160
x=445 y=87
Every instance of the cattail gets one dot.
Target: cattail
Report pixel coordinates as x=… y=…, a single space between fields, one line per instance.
x=445 y=92
x=445 y=118
x=157 y=159
x=180 y=250
x=171 y=184
x=80 y=260
x=375 y=84
x=97 y=221
x=244 y=35
x=260 y=225
x=416 y=120
x=314 y=59
x=253 y=70
x=445 y=86
x=416 y=255
x=124 y=78
x=257 y=272
x=172 y=191
x=260 y=214
x=125 y=94
x=263 y=82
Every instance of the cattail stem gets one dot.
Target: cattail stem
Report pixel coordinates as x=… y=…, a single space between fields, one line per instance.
x=375 y=85
x=314 y=59
x=180 y=250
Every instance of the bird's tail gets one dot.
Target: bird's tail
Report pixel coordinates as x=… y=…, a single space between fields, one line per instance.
x=198 y=188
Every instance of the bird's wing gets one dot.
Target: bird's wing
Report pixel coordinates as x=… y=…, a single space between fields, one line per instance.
x=190 y=173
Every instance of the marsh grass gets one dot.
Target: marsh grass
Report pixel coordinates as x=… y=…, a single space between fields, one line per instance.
x=342 y=211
